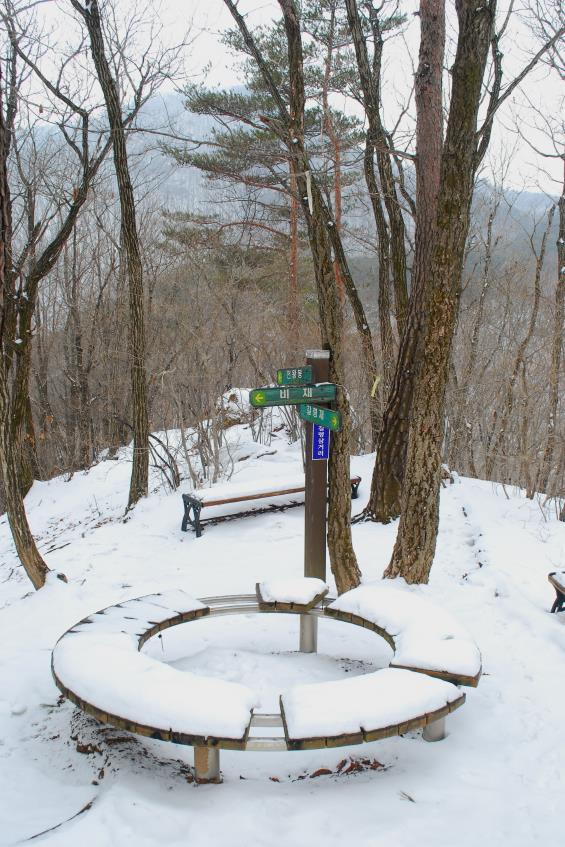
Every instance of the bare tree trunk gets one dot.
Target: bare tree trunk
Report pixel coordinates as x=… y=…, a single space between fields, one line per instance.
x=23 y=431
x=556 y=348
x=82 y=457
x=508 y=405
x=416 y=540
x=342 y=556
x=388 y=474
x=370 y=79
x=290 y=129
x=343 y=277
x=334 y=141
x=293 y=258
x=130 y=238
x=367 y=349
x=461 y=442
x=26 y=548
x=383 y=242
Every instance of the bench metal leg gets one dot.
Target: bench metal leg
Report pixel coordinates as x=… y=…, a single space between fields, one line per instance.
x=559 y=602
x=308 y=634
x=207 y=764
x=192 y=509
x=435 y=731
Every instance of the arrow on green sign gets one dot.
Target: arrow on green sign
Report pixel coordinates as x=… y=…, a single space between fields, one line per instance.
x=292 y=396
x=295 y=376
x=323 y=417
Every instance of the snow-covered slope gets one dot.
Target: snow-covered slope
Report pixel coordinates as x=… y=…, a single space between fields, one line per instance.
x=496 y=780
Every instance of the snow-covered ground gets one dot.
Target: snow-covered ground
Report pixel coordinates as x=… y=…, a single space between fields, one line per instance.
x=497 y=779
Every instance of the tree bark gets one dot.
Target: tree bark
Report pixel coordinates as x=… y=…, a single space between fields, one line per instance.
x=416 y=540
x=293 y=259
x=383 y=244
x=388 y=474
x=26 y=548
x=556 y=348
x=130 y=239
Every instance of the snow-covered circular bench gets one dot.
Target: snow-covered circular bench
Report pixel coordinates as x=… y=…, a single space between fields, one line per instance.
x=424 y=637
x=98 y=665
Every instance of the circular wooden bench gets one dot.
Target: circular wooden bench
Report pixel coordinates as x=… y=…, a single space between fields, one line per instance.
x=97 y=664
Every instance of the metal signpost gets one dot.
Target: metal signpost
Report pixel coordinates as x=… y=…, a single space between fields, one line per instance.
x=304 y=387
x=315 y=507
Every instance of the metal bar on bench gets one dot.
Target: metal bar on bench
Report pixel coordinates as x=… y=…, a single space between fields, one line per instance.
x=208 y=601
x=266 y=720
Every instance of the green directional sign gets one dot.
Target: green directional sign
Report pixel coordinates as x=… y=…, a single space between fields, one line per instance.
x=323 y=417
x=295 y=376
x=292 y=396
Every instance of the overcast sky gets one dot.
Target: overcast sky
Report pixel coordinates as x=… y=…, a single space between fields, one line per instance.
x=208 y=18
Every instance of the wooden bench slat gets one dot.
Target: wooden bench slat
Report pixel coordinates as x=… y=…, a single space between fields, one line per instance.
x=244 y=498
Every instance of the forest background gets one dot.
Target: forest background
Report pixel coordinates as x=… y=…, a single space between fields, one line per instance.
x=228 y=289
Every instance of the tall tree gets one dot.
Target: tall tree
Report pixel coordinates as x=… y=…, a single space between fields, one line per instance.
x=392 y=238
x=90 y=14
x=289 y=127
x=40 y=246
x=253 y=153
x=26 y=547
x=443 y=266
x=384 y=502
x=547 y=19
x=48 y=213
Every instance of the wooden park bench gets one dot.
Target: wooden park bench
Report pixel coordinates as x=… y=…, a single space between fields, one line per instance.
x=557 y=579
x=229 y=495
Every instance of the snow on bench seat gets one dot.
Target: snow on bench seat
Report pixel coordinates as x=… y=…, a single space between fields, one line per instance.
x=298 y=593
x=242 y=491
x=424 y=637
x=97 y=664
x=364 y=708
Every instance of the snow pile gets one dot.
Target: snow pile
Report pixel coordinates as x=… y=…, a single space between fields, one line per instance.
x=425 y=637
x=300 y=590
x=363 y=703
